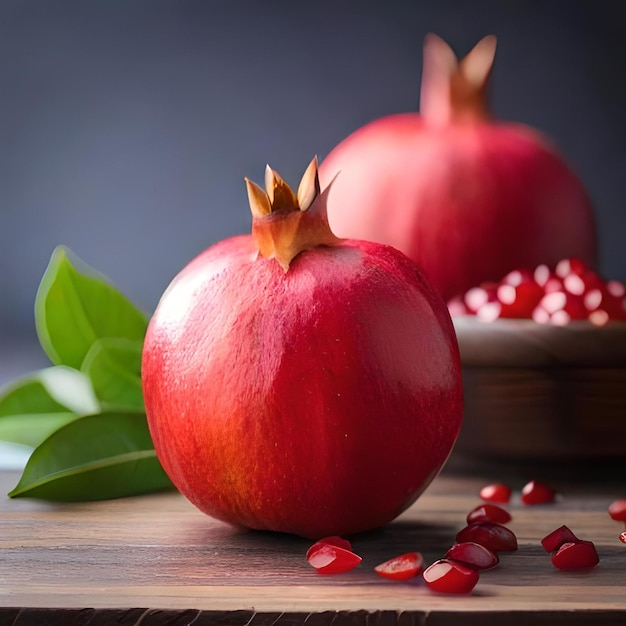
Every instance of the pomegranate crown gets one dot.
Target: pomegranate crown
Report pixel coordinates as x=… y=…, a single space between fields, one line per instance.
x=453 y=90
x=285 y=223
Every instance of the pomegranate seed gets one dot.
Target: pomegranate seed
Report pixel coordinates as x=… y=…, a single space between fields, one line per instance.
x=617 y=510
x=518 y=301
x=494 y=536
x=329 y=559
x=622 y=537
x=340 y=542
x=473 y=555
x=553 y=301
x=457 y=307
x=557 y=538
x=576 y=555
x=553 y=284
x=574 y=284
x=560 y=318
x=542 y=274
x=401 y=567
x=616 y=288
x=498 y=492
x=599 y=317
x=489 y=311
x=592 y=299
x=478 y=296
x=448 y=576
x=488 y=513
x=570 y=266
x=540 y=315
x=536 y=492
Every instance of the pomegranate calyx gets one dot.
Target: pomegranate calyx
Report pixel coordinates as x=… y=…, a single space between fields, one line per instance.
x=454 y=91
x=284 y=223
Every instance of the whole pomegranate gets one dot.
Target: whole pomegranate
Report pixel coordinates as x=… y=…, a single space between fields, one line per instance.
x=467 y=197
x=297 y=382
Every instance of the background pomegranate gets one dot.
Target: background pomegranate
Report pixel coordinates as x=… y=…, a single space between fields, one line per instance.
x=300 y=383
x=467 y=197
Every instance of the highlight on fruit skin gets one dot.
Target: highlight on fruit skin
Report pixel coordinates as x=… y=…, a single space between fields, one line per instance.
x=467 y=196
x=298 y=382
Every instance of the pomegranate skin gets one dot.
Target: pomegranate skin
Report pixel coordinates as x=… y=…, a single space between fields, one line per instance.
x=469 y=202
x=317 y=401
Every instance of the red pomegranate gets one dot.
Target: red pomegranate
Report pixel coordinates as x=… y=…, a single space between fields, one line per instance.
x=297 y=382
x=467 y=197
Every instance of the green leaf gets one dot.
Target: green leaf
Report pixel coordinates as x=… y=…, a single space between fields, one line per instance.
x=73 y=309
x=114 y=367
x=37 y=405
x=109 y=455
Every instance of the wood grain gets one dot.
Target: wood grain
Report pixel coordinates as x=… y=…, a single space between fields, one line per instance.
x=156 y=560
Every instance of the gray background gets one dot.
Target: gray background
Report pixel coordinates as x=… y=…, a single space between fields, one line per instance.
x=126 y=127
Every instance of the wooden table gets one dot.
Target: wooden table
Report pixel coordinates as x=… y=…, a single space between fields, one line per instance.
x=157 y=560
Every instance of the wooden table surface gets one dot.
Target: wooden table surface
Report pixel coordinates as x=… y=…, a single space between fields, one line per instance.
x=157 y=560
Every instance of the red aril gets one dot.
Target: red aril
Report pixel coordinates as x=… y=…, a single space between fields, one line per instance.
x=617 y=510
x=488 y=513
x=570 y=292
x=339 y=542
x=498 y=492
x=278 y=365
x=468 y=197
x=576 y=555
x=447 y=576
x=402 y=567
x=537 y=492
x=329 y=559
x=495 y=537
x=473 y=555
x=557 y=538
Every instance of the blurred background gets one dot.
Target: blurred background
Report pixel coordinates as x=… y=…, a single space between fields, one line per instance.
x=127 y=126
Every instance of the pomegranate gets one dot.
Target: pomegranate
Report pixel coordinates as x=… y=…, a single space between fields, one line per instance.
x=301 y=383
x=469 y=198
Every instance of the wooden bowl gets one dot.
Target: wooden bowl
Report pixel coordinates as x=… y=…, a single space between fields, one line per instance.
x=539 y=391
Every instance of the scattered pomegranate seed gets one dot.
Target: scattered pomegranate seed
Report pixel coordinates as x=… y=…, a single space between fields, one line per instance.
x=576 y=555
x=402 y=567
x=617 y=510
x=473 y=555
x=340 y=542
x=498 y=492
x=557 y=538
x=536 y=492
x=447 y=576
x=488 y=513
x=622 y=537
x=329 y=559
x=495 y=537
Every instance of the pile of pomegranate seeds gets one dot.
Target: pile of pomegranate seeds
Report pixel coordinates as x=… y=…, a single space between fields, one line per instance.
x=570 y=291
x=568 y=551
